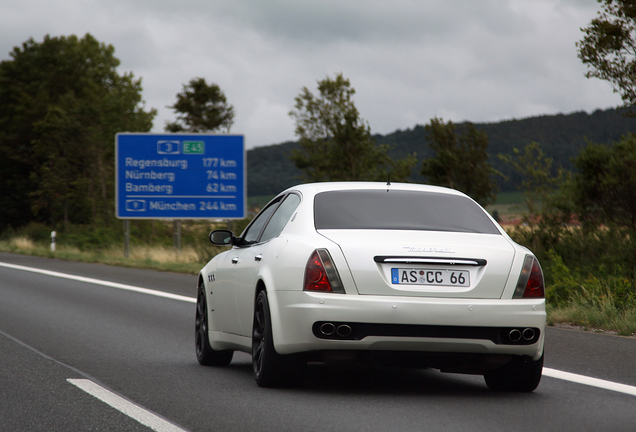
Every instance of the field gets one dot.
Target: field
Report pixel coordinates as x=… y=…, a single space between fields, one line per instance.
x=509 y=208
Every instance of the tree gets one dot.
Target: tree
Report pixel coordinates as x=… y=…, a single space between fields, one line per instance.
x=461 y=161
x=335 y=143
x=537 y=180
x=605 y=184
x=604 y=189
x=201 y=108
x=609 y=47
x=548 y=198
x=61 y=104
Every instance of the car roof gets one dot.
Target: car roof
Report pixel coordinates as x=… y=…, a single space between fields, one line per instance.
x=315 y=188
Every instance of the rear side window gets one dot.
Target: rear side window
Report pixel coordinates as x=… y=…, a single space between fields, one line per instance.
x=253 y=231
x=280 y=218
x=400 y=210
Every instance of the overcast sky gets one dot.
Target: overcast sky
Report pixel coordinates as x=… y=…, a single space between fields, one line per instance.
x=408 y=60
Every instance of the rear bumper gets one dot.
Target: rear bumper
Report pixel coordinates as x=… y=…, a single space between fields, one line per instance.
x=385 y=323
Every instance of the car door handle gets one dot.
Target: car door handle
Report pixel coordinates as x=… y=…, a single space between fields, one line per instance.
x=258 y=257
x=235 y=260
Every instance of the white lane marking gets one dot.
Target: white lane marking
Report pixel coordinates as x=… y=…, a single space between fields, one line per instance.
x=594 y=382
x=101 y=282
x=132 y=410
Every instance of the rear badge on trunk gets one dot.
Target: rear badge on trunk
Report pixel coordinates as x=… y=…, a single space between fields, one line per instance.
x=428 y=249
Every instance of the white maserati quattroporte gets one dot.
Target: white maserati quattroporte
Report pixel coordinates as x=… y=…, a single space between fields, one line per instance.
x=390 y=274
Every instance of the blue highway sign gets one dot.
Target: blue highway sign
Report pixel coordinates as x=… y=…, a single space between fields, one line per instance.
x=180 y=176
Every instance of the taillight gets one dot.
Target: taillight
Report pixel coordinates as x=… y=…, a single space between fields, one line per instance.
x=320 y=273
x=530 y=284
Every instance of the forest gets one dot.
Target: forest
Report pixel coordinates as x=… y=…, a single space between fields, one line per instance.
x=561 y=136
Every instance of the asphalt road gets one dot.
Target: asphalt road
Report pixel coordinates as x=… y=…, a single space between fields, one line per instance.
x=135 y=351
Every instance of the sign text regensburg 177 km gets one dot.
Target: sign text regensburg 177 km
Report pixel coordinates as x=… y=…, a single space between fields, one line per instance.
x=180 y=176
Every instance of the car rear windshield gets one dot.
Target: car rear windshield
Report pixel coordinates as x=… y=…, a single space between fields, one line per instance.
x=400 y=210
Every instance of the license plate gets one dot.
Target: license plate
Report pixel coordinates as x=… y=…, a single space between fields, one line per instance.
x=441 y=277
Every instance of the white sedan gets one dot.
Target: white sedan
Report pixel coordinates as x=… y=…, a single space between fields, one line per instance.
x=390 y=274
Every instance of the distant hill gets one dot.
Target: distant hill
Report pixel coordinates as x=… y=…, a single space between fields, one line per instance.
x=561 y=136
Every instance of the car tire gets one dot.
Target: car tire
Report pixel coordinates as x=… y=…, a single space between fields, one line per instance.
x=522 y=374
x=206 y=355
x=270 y=368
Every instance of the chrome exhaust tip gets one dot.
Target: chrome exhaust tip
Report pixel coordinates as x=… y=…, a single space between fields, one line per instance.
x=528 y=334
x=327 y=329
x=344 y=330
x=515 y=335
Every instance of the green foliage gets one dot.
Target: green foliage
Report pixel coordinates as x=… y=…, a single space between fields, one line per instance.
x=34 y=231
x=441 y=169
x=592 y=311
x=598 y=300
x=605 y=184
x=270 y=169
x=562 y=138
x=460 y=161
x=61 y=103
x=609 y=47
x=560 y=282
x=537 y=181
x=91 y=238
x=335 y=143
x=510 y=198
x=578 y=264
x=590 y=268
x=201 y=107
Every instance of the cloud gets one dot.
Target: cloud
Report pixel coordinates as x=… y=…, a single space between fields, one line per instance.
x=409 y=60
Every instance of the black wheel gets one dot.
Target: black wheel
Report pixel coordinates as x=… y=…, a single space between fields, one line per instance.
x=522 y=374
x=205 y=354
x=270 y=368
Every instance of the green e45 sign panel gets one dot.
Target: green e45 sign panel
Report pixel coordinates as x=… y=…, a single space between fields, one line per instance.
x=180 y=176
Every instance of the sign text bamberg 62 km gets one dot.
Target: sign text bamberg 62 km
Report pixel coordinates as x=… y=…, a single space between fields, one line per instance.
x=180 y=176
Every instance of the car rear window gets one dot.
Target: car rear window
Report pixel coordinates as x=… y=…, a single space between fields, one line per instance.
x=400 y=210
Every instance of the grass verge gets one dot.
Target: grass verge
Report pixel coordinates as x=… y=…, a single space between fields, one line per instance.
x=144 y=257
x=599 y=317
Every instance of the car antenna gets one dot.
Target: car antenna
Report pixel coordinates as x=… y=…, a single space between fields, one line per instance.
x=388 y=181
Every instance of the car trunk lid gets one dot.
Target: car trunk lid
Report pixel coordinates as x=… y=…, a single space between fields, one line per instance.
x=426 y=263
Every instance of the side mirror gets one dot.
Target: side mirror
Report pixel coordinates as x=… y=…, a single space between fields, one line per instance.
x=222 y=237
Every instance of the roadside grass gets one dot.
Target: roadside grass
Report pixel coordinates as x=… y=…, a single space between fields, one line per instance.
x=595 y=312
x=161 y=258
x=601 y=318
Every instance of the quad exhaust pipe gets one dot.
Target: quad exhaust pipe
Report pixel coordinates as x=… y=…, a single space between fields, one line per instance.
x=349 y=331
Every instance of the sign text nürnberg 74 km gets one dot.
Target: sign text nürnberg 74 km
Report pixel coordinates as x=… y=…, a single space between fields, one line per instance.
x=180 y=176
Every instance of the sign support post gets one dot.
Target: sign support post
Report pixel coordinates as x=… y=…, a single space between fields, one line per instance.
x=176 y=226
x=126 y=238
